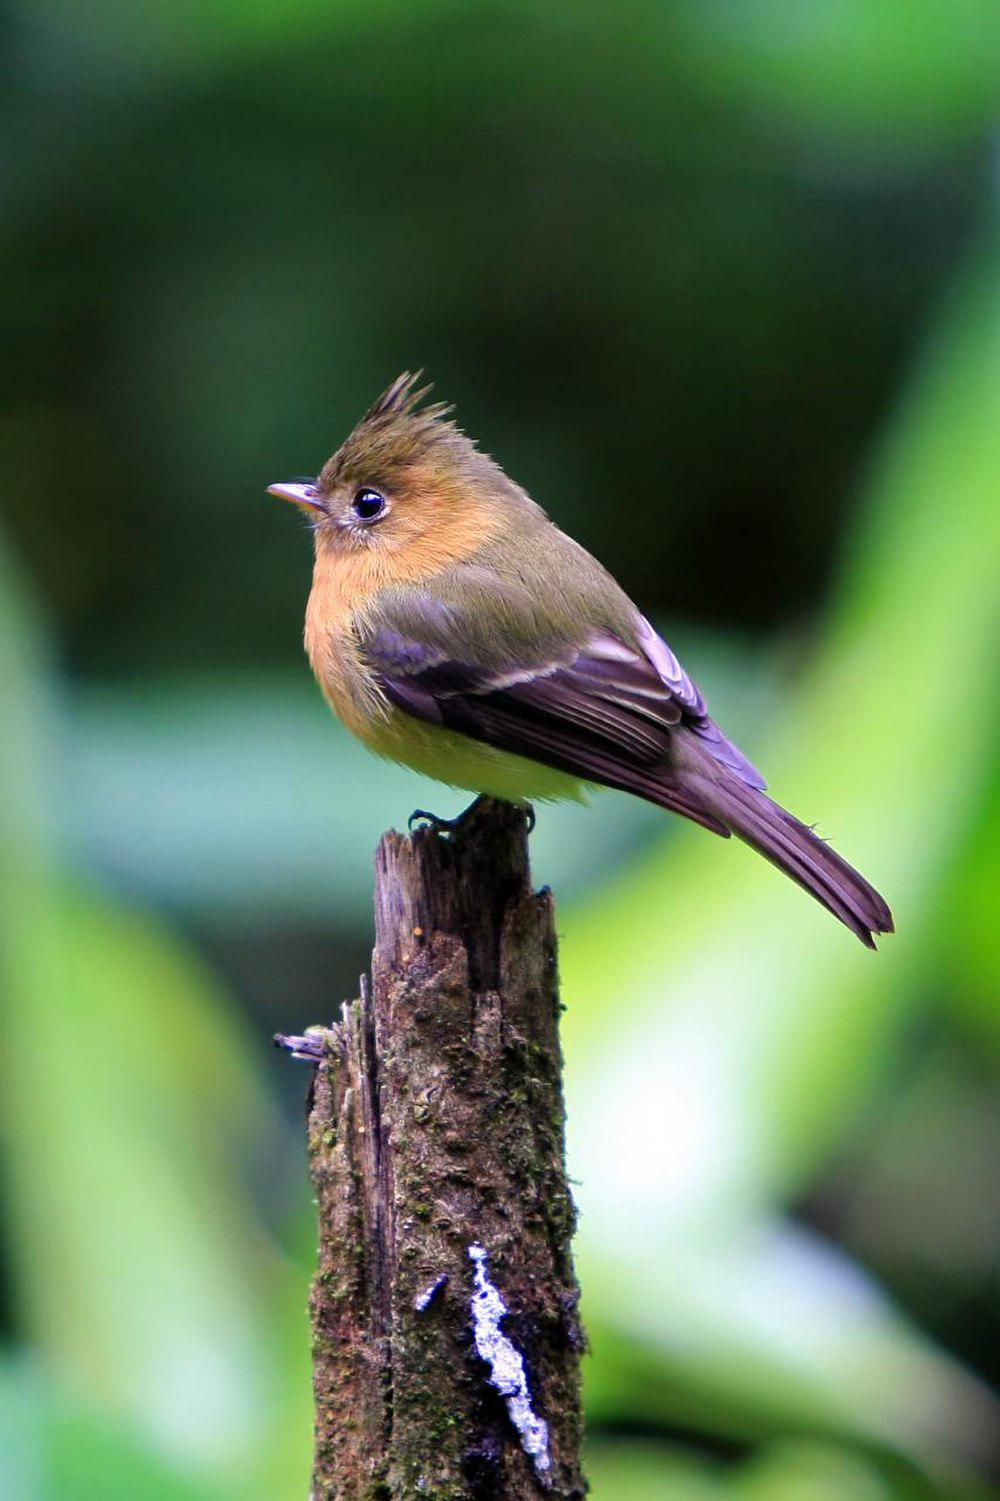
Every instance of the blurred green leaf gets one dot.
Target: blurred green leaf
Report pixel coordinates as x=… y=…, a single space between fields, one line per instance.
x=884 y=68
x=623 y=1470
x=130 y=1095
x=722 y=1031
x=859 y=66
x=971 y=958
x=55 y=1450
x=629 y=1470
x=816 y=1472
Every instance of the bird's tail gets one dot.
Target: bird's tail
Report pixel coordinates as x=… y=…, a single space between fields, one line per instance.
x=790 y=845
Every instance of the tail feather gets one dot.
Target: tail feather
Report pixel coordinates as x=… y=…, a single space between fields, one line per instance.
x=790 y=845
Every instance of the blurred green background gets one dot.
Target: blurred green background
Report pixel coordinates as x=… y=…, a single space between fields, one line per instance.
x=718 y=280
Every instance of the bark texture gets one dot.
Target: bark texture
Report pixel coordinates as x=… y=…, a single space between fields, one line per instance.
x=436 y=1129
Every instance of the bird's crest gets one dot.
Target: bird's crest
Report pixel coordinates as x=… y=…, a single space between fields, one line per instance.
x=398 y=427
x=404 y=398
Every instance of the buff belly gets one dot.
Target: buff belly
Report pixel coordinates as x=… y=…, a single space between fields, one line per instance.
x=460 y=762
x=354 y=695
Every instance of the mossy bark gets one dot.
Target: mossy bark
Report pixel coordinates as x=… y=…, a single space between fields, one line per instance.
x=436 y=1125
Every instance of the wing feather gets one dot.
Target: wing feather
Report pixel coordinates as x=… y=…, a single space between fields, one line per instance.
x=603 y=708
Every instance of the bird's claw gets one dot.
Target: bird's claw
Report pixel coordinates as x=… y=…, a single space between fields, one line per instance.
x=421 y=818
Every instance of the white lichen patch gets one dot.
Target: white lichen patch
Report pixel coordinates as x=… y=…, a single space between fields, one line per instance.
x=506 y=1363
x=423 y=1300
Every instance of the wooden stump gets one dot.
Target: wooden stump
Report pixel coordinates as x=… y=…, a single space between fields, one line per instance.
x=446 y=1342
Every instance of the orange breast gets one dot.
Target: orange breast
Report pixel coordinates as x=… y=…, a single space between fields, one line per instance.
x=440 y=529
x=331 y=644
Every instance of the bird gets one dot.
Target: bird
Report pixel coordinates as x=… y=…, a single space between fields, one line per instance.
x=453 y=627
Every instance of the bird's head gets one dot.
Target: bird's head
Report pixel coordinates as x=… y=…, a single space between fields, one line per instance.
x=406 y=482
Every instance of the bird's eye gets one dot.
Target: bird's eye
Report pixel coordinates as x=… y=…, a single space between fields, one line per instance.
x=368 y=505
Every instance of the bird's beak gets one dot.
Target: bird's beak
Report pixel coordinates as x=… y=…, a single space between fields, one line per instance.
x=300 y=494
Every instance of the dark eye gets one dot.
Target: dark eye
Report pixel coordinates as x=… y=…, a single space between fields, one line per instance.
x=368 y=505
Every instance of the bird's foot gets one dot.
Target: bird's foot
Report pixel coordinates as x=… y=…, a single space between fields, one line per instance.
x=445 y=827
x=421 y=818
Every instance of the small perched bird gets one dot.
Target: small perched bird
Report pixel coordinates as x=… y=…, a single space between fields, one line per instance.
x=453 y=627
